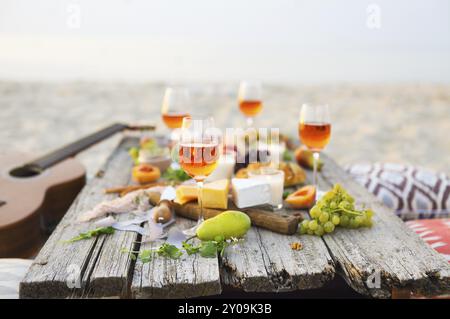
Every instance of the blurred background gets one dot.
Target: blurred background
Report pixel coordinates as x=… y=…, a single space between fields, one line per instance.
x=68 y=68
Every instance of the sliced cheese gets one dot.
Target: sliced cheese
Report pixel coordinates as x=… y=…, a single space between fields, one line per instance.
x=250 y=192
x=186 y=193
x=215 y=194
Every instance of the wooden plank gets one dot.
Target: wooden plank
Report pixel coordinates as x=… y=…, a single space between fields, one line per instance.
x=109 y=273
x=265 y=262
x=389 y=250
x=62 y=270
x=189 y=276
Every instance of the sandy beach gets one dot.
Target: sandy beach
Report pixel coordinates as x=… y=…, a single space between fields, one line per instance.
x=389 y=123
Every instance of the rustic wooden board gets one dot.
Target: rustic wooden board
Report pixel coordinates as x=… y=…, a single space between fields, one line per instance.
x=280 y=221
x=186 y=277
x=59 y=262
x=388 y=249
x=265 y=262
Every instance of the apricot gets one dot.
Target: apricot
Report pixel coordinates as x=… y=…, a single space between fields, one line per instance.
x=145 y=173
x=303 y=197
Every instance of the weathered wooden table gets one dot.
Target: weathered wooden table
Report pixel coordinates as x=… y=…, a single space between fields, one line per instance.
x=374 y=262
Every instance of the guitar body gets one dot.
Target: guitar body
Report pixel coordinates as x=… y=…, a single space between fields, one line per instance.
x=35 y=193
x=30 y=207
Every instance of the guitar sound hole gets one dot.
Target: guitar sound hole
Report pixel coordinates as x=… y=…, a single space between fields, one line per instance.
x=24 y=172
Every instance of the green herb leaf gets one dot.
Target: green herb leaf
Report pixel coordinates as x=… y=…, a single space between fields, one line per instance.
x=286 y=194
x=134 y=153
x=168 y=250
x=190 y=249
x=208 y=249
x=176 y=175
x=146 y=256
x=92 y=233
x=287 y=156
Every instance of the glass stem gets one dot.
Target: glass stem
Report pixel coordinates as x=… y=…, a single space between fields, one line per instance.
x=315 y=164
x=200 y=202
x=249 y=121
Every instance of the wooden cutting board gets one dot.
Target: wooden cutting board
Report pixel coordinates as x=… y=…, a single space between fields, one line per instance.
x=282 y=221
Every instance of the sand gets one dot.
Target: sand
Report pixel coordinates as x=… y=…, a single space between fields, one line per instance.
x=388 y=123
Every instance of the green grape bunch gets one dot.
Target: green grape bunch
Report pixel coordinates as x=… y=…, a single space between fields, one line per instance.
x=333 y=209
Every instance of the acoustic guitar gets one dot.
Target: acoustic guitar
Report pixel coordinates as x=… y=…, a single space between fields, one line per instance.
x=35 y=193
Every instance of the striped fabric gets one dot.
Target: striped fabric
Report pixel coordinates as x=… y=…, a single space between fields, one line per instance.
x=11 y=273
x=435 y=232
x=412 y=192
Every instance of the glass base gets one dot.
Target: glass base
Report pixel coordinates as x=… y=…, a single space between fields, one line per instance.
x=319 y=194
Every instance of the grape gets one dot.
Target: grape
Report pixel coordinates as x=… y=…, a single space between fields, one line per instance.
x=313 y=225
x=354 y=223
x=328 y=196
x=319 y=231
x=367 y=221
x=324 y=217
x=344 y=221
x=345 y=205
x=314 y=212
x=369 y=213
x=359 y=220
x=333 y=205
x=335 y=208
x=328 y=227
x=305 y=223
x=303 y=230
x=335 y=220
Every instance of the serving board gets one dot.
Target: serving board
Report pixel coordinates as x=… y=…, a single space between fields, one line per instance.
x=282 y=221
x=264 y=262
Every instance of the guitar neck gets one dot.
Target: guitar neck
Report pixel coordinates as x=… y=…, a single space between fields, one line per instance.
x=74 y=148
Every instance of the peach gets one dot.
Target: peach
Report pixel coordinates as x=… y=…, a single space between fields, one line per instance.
x=145 y=173
x=303 y=197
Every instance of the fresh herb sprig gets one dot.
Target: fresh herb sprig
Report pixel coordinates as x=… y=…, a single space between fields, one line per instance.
x=170 y=251
x=206 y=249
x=287 y=156
x=146 y=255
x=175 y=175
x=92 y=233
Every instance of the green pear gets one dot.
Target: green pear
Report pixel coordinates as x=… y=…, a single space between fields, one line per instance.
x=230 y=223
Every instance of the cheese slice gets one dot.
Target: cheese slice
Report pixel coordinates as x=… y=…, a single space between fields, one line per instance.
x=248 y=192
x=186 y=193
x=215 y=194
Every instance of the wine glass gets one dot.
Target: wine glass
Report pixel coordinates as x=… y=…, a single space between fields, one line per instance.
x=175 y=107
x=250 y=100
x=198 y=154
x=314 y=130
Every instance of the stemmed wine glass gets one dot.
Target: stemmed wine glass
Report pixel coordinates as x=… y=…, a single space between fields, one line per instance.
x=198 y=154
x=250 y=100
x=314 y=131
x=175 y=106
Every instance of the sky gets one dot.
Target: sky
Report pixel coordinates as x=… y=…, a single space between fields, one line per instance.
x=279 y=41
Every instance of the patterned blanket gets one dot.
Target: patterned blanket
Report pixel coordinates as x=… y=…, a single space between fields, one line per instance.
x=412 y=192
